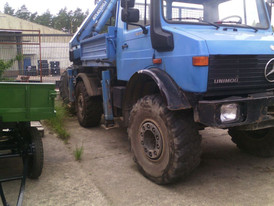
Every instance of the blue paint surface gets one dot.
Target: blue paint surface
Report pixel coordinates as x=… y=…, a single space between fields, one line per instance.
x=189 y=41
x=133 y=51
x=106 y=95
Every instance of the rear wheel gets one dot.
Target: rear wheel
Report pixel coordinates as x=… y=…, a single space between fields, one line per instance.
x=89 y=109
x=165 y=144
x=36 y=160
x=63 y=87
x=258 y=142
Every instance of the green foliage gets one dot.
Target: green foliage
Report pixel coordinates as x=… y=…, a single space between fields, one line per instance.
x=77 y=18
x=33 y=17
x=62 y=20
x=44 y=19
x=78 y=152
x=8 y=10
x=57 y=122
x=4 y=65
x=67 y=21
x=23 y=13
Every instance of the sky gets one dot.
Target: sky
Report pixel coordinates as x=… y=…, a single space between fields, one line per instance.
x=54 y=6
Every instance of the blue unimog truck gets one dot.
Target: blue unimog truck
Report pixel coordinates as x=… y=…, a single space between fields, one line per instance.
x=169 y=68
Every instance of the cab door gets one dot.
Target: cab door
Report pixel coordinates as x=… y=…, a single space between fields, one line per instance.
x=134 y=50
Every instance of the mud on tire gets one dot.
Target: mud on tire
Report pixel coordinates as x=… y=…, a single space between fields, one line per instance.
x=165 y=144
x=258 y=142
x=89 y=109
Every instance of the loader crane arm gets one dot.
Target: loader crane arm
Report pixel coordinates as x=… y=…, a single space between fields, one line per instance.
x=92 y=25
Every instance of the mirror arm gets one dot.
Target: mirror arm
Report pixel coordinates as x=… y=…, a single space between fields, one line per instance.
x=145 y=31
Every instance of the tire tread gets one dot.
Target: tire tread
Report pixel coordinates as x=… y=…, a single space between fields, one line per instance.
x=63 y=87
x=263 y=147
x=185 y=139
x=93 y=107
x=37 y=160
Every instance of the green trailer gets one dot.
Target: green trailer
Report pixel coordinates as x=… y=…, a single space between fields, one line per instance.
x=21 y=103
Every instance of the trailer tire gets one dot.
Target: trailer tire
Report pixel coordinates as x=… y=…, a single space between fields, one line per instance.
x=165 y=144
x=36 y=160
x=63 y=87
x=89 y=109
x=259 y=142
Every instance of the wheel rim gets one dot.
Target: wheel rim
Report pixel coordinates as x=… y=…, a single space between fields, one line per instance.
x=80 y=103
x=151 y=140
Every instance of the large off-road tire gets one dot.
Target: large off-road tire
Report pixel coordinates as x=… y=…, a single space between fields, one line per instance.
x=63 y=87
x=165 y=144
x=36 y=160
x=258 y=142
x=89 y=109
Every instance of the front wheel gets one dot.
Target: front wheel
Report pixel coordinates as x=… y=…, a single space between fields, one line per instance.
x=165 y=144
x=258 y=142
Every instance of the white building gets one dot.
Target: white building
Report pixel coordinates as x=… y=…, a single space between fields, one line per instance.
x=14 y=39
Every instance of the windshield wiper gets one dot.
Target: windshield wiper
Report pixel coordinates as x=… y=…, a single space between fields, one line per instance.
x=238 y=24
x=198 y=19
x=228 y=22
x=250 y=27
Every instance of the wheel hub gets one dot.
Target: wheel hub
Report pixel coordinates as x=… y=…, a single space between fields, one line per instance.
x=151 y=140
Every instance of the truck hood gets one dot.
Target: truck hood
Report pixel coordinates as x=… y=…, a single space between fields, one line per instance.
x=231 y=42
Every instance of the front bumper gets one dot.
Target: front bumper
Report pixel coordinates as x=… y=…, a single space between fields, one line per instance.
x=255 y=112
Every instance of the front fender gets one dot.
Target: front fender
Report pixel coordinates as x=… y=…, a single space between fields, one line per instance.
x=175 y=98
x=91 y=84
x=170 y=91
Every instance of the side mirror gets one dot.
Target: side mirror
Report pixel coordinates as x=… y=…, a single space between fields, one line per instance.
x=127 y=3
x=130 y=15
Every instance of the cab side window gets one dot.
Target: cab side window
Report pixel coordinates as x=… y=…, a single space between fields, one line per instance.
x=144 y=8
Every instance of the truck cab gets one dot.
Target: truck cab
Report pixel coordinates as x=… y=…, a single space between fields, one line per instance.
x=171 y=67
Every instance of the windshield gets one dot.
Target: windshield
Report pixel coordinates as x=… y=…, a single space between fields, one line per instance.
x=236 y=13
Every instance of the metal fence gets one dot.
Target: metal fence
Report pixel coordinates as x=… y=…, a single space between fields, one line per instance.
x=42 y=57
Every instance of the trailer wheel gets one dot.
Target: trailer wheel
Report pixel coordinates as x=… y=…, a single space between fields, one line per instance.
x=165 y=144
x=89 y=109
x=258 y=142
x=63 y=87
x=36 y=161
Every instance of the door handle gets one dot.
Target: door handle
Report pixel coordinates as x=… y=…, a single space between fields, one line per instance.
x=125 y=46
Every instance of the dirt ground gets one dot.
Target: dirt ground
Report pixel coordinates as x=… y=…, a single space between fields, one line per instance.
x=108 y=176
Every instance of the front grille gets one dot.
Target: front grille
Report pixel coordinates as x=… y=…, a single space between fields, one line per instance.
x=237 y=74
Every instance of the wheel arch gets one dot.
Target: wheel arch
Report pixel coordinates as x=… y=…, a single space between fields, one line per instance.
x=151 y=81
x=91 y=84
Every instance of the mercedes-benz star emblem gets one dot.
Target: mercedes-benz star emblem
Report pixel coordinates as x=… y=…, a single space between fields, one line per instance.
x=269 y=70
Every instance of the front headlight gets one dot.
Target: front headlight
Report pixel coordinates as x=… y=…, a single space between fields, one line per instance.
x=229 y=112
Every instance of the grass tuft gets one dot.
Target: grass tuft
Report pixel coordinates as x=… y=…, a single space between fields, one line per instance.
x=78 y=153
x=57 y=122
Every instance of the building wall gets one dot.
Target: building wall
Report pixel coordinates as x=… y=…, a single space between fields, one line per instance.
x=54 y=43
x=8 y=51
x=54 y=48
x=11 y=22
